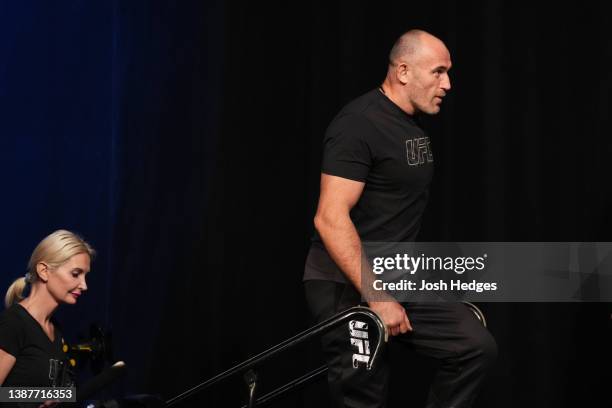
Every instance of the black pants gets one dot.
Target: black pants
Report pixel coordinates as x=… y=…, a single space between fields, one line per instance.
x=449 y=332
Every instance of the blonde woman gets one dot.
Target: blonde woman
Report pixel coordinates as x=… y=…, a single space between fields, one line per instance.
x=30 y=343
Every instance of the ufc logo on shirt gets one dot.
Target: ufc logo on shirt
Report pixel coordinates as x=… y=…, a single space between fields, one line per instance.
x=418 y=151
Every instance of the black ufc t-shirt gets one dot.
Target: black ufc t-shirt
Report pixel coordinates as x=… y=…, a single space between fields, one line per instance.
x=39 y=361
x=374 y=141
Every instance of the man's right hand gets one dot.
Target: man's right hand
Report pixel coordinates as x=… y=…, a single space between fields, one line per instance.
x=393 y=316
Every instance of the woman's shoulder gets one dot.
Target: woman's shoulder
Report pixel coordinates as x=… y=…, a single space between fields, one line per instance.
x=13 y=320
x=12 y=329
x=12 y=314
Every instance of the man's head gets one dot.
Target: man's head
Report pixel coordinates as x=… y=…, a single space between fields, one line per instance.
x=418 y=72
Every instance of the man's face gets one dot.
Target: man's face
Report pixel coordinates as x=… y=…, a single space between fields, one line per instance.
x=429 y=77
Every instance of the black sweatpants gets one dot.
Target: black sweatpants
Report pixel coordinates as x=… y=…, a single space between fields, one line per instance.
x=448 y=332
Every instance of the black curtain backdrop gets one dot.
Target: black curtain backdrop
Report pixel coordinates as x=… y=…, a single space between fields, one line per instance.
x=193 y=135
x=56 y=141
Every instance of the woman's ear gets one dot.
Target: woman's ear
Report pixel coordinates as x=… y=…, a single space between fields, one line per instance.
x=42 y=269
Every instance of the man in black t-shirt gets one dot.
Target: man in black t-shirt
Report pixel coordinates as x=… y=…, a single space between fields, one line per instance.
x=376 y=170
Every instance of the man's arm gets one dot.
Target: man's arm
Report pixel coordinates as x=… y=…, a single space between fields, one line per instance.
x=339 y=235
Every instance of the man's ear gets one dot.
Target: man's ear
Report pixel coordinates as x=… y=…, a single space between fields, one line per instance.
x=42 y=269
x=402 y=72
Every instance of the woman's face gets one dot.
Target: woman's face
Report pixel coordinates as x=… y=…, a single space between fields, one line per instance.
x=67 y=282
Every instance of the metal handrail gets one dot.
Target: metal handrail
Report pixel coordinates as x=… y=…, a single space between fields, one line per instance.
x=319 y=372
x=477 y=312
x=320 y=328
x=297 y=383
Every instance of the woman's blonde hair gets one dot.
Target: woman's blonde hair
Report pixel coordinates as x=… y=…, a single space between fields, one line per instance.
x=54 y=250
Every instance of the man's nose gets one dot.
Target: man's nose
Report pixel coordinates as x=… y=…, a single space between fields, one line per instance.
x=446 y=83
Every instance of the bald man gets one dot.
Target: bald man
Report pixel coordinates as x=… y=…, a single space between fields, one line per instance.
x=376 y=170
